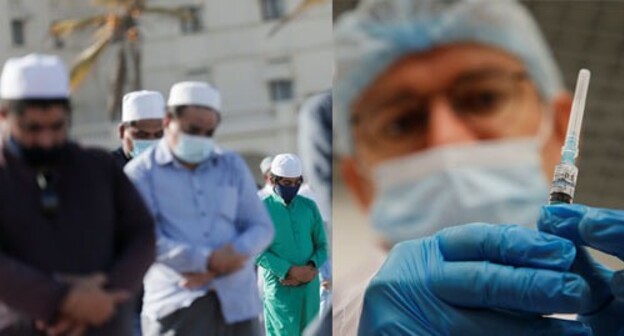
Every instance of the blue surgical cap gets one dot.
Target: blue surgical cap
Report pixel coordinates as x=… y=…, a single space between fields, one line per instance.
x=380 y=32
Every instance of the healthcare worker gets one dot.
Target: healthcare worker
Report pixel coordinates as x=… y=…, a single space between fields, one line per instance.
x=141 y=126
x=452 y=112
x=290 y=264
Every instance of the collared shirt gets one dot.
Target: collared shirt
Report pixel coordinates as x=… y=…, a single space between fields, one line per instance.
x=198 y=211
x=101 y=225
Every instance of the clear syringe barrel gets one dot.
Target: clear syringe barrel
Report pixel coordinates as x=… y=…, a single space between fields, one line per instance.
x=564 y=179
x=570 y=148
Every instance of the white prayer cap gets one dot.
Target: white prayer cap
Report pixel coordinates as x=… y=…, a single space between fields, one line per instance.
x=139 y=105
x=265 y=164
x=194 y=93
x=286 y=165
x=34 y=76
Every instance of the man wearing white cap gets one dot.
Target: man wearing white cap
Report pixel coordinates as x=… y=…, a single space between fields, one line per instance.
x=290 y=264
x=209 y=224
x=304 y=190
x=75 y=236
x=141 y=126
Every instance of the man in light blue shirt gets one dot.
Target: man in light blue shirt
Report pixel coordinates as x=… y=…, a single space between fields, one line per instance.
x=209 y=224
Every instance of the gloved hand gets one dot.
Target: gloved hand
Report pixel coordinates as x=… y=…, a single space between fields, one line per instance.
x=476 y=279
x=602 y=229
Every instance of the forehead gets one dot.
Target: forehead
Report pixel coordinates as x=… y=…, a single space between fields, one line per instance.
x=147 y=124
x=42 y=115
x=199 y=115
x=438 y=68
x=290 y=179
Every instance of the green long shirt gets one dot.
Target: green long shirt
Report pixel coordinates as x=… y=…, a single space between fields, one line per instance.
x=299 y=236
x=299 y=239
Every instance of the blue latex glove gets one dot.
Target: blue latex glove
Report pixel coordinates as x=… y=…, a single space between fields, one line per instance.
x=602 y=229
x=476 y=279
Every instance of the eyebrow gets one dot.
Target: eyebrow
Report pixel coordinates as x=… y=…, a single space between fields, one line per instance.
x=196 y=127
x=486 y=72
x=139 y=131
x=395 y=97
x=142 y=129
x=43 y=124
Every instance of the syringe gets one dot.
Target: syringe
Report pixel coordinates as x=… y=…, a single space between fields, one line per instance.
x=564 y=180
x=564 y=183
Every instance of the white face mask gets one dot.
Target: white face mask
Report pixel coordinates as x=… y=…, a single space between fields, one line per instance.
x=192 y=148
x=139 y=146
x=499 y=182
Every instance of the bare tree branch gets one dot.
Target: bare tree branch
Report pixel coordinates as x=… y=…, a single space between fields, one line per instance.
x=65 y=27
x=86 y=60
x=117 y=83
x=304 y=6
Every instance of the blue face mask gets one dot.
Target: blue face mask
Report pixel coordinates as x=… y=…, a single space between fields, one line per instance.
x=493 y=182
x=139 y=146
x=192 y=148
x=287 y=193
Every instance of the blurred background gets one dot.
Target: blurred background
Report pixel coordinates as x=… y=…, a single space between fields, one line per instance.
x=265 y=56
x=582 y=34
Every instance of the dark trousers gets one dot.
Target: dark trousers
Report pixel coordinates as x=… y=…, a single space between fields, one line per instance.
x=202 y=318
x=119 y=325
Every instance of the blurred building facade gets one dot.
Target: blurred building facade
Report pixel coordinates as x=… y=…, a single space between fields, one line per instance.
x=263 y=79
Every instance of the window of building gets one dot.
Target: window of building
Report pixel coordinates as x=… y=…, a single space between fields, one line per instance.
x=272 y=9
x=193 y=23
x=281 y=90
x=17 y=32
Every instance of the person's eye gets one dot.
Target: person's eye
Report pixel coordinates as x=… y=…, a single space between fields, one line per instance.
x=404 y=123
x=481 y=102
x=58 y=126
x=193 y=131
x=33 y=128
